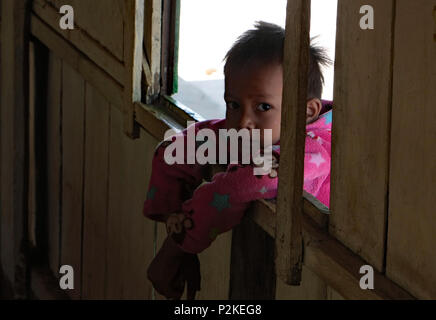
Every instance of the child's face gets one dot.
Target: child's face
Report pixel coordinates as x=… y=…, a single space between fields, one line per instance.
x=253 y=96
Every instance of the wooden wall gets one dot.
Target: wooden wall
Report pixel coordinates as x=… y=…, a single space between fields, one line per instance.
x=97 y=181
x=411 y=238
x=102 y=20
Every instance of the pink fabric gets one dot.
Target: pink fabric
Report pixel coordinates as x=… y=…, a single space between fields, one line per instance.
x=219 y=205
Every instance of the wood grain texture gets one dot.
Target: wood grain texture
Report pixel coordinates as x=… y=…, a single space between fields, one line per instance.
x=252 y=272
x=14 y=143
x=133 y=45
x=32 y=178
x=102 y=20
x=73 y=122
x=54 y=160
x=290 y=186
x=81 y=40
x=215 y=269
x=329 y=259
x=339 y=267
x=95 y=199
x=62 y=48
x=332 y=294
x=152 y=45
x=360 y=133
x=131 y=236
x=411 y=258
x=312 y=287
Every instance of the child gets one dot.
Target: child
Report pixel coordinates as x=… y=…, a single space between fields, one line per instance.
x=253 y=95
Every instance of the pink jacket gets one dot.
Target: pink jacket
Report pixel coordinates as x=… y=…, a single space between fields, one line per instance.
x=218 y=206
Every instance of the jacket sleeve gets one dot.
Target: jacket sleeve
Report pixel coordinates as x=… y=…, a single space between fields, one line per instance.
x=219 y=205
x=170 y=184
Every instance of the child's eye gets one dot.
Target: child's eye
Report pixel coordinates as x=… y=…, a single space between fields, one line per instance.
x=263 y=107
x=232 y=105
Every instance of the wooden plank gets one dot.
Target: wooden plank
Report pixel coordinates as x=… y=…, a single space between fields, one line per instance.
x=154 y=120
x=329 y=259
x=106 y=85
x=252 y=274
x=95 y=194
x=14 y=143
x=152 y=46
x=31 y=196
x=131 y=241
x=133 y=42
x=339 y=267
x=332 y=294
x=81 y=40
x=73 y=121
x=54 y=160
x=311 y=288
x=215 y=269
x=411 y=259
x=102 y=20
x=360 y=134
x=170 y=46
x=290 y=185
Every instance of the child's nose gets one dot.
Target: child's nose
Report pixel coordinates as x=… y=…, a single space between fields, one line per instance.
x=246 y=121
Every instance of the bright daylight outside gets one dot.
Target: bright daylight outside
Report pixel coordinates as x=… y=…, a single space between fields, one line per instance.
x=208 y=29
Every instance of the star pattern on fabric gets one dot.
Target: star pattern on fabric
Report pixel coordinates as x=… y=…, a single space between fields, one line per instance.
x=316 y=159
x=311 y=134
x=220 y=201
x=151 y=193
x=263 y=190
x=328 y=117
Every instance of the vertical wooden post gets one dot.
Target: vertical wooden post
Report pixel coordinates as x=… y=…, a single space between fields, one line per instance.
x=290 y=193
x=152 y=47
x=14 y=143
x=133 y=55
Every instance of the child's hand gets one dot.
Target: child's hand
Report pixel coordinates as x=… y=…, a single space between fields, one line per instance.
x=171 y=268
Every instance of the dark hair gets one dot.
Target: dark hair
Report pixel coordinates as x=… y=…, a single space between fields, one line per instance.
x=265 y=44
